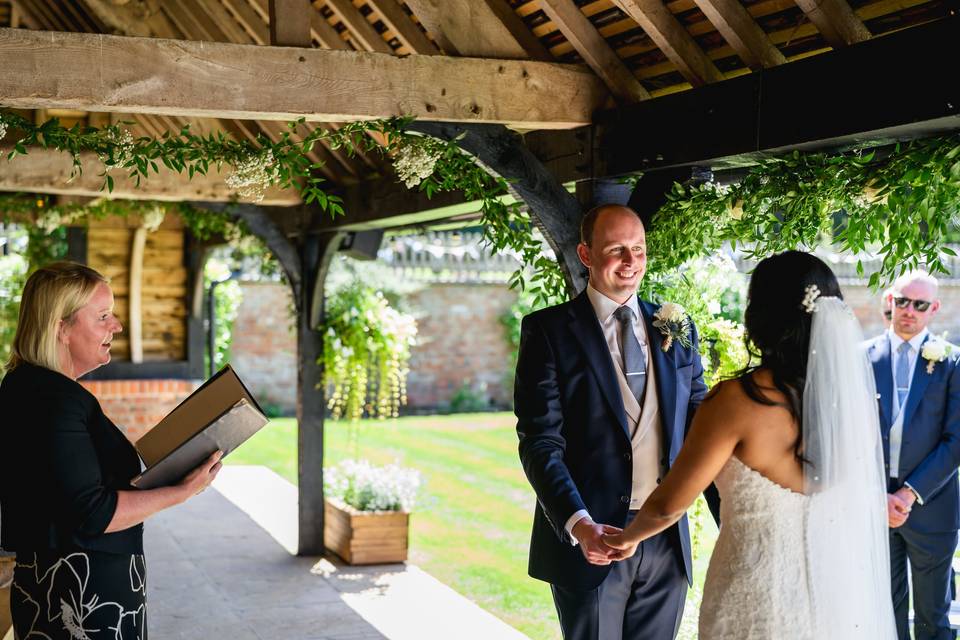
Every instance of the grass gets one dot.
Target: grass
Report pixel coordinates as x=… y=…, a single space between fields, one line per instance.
x=471 y=526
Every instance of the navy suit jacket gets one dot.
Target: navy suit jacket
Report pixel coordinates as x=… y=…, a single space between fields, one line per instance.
x=574 y=438
x=930 y=446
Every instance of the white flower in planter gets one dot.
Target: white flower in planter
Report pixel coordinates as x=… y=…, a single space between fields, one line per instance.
x=369 y=488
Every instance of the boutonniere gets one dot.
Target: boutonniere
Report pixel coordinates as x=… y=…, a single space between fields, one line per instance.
x=935 y=350
x=674 y=324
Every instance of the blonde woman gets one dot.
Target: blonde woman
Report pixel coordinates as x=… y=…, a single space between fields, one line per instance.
x=66 y=505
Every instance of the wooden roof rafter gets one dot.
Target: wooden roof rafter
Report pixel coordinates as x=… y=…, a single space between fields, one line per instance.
x=361 y=32
x=408 y=32
x=742 y=33
x=673 y=39
x=595 y=50
x=836 y=21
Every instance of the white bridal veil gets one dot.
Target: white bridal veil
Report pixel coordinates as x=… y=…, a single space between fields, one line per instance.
x=847 y=540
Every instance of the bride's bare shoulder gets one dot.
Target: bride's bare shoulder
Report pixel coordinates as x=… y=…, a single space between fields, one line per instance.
x=744 y=394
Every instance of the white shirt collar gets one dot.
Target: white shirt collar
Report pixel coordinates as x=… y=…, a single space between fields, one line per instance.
x=604 y=307
x=915 y=342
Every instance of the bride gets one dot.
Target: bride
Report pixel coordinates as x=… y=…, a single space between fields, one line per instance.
x=793 y=445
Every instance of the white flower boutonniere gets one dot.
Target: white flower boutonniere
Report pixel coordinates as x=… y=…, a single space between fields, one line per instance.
x=674 y=324
x=935 y=350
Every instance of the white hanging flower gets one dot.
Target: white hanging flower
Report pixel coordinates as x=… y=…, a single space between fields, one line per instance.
x=252 y=175
x=123 y=145
x=415 y=162
x=153 y=218
x=3 y=129
x=50 y=221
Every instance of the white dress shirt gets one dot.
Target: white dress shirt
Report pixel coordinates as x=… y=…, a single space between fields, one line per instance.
x=646 y=432
x=896 y=429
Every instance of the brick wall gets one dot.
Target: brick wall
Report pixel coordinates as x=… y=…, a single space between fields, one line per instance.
x=460 y=343
x=264 y=349
x=137 y=405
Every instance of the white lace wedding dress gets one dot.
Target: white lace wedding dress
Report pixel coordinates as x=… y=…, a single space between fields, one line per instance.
x=799 y=566
x=757 y=583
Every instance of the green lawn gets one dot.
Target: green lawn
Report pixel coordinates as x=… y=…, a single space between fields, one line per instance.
x=471 y=527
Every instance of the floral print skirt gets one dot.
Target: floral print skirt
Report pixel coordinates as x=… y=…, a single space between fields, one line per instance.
x=85 y=595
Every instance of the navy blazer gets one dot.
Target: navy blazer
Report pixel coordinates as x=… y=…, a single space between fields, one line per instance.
x=930 y=446
x=574 y=437
x=65 y=463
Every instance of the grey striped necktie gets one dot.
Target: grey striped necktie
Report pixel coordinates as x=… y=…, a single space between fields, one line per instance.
x=902 y=381
x=634 y=356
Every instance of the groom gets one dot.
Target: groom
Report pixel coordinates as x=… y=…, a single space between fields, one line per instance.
x=920 y=424
x=602 y=410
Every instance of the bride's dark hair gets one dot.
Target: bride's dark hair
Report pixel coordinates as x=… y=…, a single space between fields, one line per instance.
x=778 y=327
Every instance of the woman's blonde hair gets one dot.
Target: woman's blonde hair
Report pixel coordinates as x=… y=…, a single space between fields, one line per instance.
x=53 y=293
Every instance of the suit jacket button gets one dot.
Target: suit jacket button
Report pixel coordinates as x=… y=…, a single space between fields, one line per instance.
x=626 y=456
x=658 y=480
x=625 y=499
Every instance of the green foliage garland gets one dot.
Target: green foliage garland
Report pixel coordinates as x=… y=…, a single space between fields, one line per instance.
x=285 y=162
x=902 y=205
x=256 y=166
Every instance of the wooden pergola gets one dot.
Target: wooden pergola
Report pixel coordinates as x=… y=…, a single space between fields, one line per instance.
x=544 y=92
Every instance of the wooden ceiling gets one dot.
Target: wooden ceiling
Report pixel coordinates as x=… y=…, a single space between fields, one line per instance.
x=640 y=49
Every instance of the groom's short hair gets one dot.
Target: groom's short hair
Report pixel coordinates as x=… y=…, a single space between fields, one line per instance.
x=590 y=219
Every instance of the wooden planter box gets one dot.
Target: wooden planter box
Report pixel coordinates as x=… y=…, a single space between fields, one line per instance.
x=365 y=537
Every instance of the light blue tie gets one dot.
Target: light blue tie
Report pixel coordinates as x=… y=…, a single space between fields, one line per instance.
x=903 y=374
x=634 y=356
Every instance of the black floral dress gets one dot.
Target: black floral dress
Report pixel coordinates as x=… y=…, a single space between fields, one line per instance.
x=86 y=595
x=65 y=464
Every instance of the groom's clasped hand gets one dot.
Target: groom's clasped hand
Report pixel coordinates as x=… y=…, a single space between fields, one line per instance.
x=593 y=545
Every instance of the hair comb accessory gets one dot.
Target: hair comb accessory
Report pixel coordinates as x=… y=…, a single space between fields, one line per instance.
x=810 y=295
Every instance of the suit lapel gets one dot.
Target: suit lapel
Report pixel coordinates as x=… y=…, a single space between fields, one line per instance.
x=665 y=369
x=586 y=327
x=918 y=385
x=882 y=371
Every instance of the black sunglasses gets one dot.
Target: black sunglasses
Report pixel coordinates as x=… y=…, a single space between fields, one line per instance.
x=919 y=305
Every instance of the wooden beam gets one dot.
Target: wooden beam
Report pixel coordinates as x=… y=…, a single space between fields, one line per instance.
x=174 y=77
x=776 y=110
x=474 y=28
x=835 y=21
x=556 y=211
x=742 y=32
x=361 y=31
x=672 y=39
x=44 y=171
x=400 y=23
x=135 y=295
x=594 y=50
x=290 y=23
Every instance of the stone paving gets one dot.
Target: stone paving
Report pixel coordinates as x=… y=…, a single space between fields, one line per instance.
x=218 y=567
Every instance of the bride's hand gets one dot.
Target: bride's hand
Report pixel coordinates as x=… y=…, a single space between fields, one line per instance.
x=622 y=542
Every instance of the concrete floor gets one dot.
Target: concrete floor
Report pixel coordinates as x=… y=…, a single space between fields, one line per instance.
x=219 y=566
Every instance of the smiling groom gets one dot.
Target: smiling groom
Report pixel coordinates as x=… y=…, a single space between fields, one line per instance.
x=603 y=401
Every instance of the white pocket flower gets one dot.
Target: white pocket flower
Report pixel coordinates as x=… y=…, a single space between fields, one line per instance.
x=936 y=350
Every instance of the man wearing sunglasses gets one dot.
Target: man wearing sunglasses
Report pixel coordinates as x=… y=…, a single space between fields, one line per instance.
x=919 y=402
